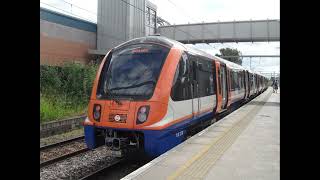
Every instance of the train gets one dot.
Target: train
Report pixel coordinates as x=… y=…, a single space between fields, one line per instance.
x=151 y=93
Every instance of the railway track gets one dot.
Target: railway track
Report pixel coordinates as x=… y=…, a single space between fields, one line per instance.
x=82 y=166
x=118 y=168
x=95 y=164
x=42 y=148
x=53 y=153
x=102 y=169
x=64 y=154
x=59 y=158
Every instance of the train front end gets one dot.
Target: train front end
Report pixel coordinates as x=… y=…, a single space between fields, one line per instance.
x=129 y=95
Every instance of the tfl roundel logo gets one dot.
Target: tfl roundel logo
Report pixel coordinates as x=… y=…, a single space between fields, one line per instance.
x=117 y=117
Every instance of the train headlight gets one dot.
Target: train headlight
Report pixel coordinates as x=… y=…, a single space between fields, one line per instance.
x=96 y=112
x=142 y=115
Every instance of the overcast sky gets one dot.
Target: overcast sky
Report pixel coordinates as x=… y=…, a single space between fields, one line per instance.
x=184 y=11
x=191 y=11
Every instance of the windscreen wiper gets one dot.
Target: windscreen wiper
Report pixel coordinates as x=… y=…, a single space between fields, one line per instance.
x=112 y=97
x=134 y=86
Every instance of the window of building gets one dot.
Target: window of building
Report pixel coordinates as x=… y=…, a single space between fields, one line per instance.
x=150 y=21
x=148 y=16
x=153 y=18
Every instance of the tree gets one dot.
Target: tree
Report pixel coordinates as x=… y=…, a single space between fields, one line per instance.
x=231 y=52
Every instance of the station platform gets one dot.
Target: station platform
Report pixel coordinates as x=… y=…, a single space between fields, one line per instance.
x=243 y=145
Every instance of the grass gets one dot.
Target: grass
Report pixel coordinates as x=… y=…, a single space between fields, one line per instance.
x=54 y=108
x=65 y=90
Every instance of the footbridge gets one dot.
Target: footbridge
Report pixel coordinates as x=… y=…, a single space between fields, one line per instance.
x=219 y=32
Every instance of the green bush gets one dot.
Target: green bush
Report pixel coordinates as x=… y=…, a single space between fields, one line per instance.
x=65 y=90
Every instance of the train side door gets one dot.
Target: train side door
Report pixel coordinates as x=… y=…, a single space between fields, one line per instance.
x=245 y=81
x=228 y=74
x=194 y=85
x=223 y=80
x=248 y=83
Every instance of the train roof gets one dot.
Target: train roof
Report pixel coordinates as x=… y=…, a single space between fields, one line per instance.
x=203 y=53
x=170 y=43
x=149 y=39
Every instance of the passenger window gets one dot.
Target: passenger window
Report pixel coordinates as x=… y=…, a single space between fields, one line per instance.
x=232 y=81
x=235 y=80
x=181 y=85
x=219 y=75
x=240 y=80
x=206 y=83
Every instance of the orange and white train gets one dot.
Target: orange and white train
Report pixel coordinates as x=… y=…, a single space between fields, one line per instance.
x=151 y=93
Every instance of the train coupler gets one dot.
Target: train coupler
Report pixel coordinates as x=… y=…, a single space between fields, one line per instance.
x=117 y=143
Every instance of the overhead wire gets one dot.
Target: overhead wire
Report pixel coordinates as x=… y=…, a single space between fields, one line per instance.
x=129 y=4
x=227 y=45
x=68 y=13
x=146 y=11
x=103 y=16
x=92 y=12
x=95 y=13
x=198 y=22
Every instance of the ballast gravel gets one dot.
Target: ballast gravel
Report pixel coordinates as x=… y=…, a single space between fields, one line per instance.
x=58 y=151
x=78 y=166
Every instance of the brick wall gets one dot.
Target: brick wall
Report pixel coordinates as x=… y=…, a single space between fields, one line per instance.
x=64 y=38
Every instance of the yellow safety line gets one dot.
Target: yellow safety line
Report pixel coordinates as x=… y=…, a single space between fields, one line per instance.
x=203 y=151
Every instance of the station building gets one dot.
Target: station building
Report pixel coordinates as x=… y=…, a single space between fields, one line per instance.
x=65 y=38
